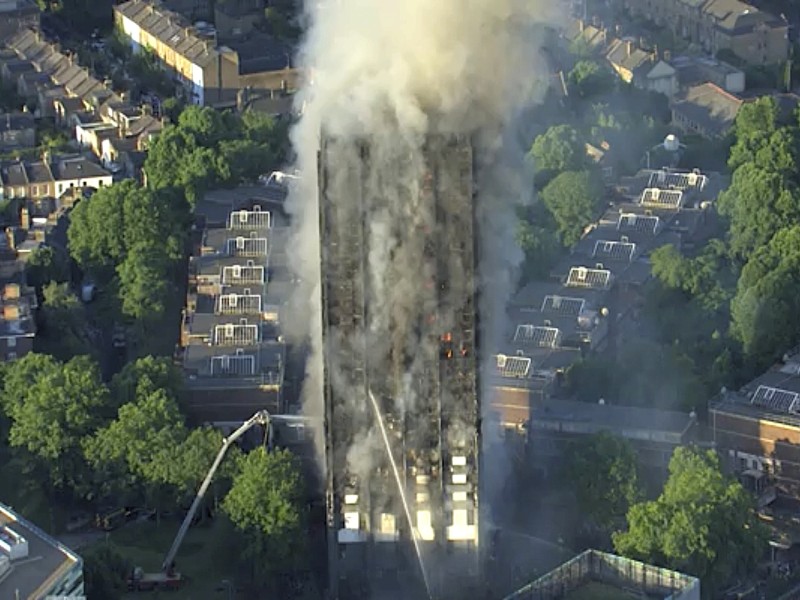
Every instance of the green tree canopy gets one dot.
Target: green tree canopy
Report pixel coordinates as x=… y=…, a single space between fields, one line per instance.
x=65 y=329
x=755 y=123
x=765 y=308
x=574 y=198
x=706 y=278
x=105 y=572
x=588 y=78
x=602 y=471
x=96 y=227
x=266 y=503
x=52 y=408
x=143 y=437
x=146 y=376
x=206 y=148
x=558 y=149
x=703 y=523
x=540 y=244
x=758 y=203
x=144 y=283
x=46 y=264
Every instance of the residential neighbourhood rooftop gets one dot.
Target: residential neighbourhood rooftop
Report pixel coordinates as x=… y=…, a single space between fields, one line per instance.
x=632 y=422
x=33 y=564
x=707 y=109
x=774 y=395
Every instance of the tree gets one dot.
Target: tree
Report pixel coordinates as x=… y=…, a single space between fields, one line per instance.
x=176 y=160
x=65 y=330
x=602 y=471
x=755 y=123
x=765 y=308
x=146 y=376
x=207 y=126
x=105 y=572
x=144 y=283
x=194 y=457
x=46 y=264
x=97 y=228
x=143 y=437
x=541 y=247
x=758 y=204
x=573 y=198
x=265 y=503
x=707 y=278
x=172 y=108
x=588 y=78
x=558 y=149
x=57 y=406
x=703 y=523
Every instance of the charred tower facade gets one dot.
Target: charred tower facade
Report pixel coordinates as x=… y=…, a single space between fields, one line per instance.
x=398 y=241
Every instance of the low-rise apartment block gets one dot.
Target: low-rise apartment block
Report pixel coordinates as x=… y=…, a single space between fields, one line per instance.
x=757 y=428
x=35 y=566
x=755 y=36
x=233 y=356
x=552 y=324
x=211 y=74
x=556 y=425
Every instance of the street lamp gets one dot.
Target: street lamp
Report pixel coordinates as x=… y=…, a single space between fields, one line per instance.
x=226 y=584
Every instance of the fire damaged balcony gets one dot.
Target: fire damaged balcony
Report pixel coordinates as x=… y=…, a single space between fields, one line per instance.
x=409 y=419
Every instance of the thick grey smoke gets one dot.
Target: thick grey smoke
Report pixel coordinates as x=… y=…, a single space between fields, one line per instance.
x=395 y=72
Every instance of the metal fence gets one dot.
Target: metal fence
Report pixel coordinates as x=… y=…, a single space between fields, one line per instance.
x=613 y=570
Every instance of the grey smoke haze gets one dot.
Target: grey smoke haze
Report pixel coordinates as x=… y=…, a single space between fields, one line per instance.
x=396 y=71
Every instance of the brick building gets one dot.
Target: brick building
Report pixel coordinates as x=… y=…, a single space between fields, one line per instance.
x=233 y=357
x=210 y=73
x=755 y=36
x=757 y=428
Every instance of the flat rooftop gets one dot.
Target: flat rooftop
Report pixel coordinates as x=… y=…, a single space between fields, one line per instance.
x=773 y=396
x=633 y=422
x=47 y=560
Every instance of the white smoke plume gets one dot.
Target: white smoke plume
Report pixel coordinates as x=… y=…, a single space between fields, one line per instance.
x=395 y=72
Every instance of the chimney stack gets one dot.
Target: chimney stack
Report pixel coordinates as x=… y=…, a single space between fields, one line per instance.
x=10 y=238
x=241 y=99
x=10 y=312
x=629 y=46
x=581 y=25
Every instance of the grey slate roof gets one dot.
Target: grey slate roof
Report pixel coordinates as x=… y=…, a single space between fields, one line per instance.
x=709 y=106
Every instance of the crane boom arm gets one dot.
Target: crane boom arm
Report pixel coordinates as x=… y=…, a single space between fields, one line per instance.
x=260 y=418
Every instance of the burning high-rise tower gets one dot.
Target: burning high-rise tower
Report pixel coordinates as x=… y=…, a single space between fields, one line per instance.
x=398 y=264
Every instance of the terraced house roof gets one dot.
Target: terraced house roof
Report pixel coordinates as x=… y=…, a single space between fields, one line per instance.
x=171 y=29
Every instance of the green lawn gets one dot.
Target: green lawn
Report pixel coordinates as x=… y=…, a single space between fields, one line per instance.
x=599 y=591
x=146 y=544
